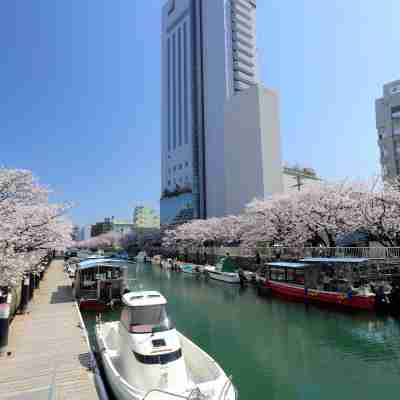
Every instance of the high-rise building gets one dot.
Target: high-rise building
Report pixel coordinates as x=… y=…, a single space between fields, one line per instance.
x=76 y=233
x=208 y=55
x=85 y=232
x=145 y=217
x=387 y=110
x=218 y=123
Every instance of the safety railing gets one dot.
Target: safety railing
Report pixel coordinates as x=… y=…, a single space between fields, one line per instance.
x=295 y=252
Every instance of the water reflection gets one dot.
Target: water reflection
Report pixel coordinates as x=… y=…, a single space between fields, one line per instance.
x=281 y=350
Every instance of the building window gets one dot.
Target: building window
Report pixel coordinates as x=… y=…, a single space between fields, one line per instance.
x=169 y=183
x=180 y=166
x=174 y=168
x=186 y=164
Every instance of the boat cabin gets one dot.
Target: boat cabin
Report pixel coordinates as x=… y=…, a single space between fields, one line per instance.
x=324 y=274
x=145 y=312
x=102 y=279
x=335 y=274
x=286 y=272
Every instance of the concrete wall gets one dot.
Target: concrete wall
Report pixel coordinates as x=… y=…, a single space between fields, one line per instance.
x=252 y=152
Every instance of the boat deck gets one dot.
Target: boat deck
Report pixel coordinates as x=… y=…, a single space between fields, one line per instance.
x=49 y=354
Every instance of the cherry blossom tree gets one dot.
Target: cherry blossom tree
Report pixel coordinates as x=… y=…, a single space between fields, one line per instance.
x=30 y=226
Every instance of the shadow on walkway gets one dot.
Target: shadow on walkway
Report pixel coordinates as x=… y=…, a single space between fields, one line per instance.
x=62 y=295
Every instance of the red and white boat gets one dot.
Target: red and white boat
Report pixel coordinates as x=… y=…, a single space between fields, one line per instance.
x=335 y=281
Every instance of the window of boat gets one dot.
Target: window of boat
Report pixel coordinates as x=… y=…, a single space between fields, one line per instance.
x=148 y=319
x=295 y=276
x=277 y=274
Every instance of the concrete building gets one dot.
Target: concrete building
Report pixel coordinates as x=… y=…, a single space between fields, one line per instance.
x=387 y=110
x=85 y=232
x=121 y=226
x=208 y=56
x=102 y=227
x=253 y=165
x=145 y=217
x=76 y=233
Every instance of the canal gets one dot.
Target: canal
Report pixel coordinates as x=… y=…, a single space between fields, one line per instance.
x=278 y=350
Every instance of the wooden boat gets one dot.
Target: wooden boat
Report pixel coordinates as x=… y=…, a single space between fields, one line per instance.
x=100 y=282
x=145 y=357
x=321 y=280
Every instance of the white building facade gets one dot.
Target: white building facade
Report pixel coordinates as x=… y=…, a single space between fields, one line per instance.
x=208 y=55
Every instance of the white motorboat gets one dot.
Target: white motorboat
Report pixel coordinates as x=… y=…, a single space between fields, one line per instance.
x=192 y=269
x=145 y=357
x=224 y=271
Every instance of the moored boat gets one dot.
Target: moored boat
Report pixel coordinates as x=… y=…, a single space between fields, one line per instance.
x=145 y=357
x=335 y=281
x=191 y=269
x=100 y=282
x=142 y=257
x=224 y=271
x=156 y=260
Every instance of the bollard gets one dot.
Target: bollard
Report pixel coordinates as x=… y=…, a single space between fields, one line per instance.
x=37 y=280
x=5 y=300
x=24 y=294
x=31 y=285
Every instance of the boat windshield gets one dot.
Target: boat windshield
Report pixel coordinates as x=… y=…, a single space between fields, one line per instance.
x=146 y=319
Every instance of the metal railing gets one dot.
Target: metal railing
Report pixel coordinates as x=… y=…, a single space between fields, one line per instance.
x=295 y=252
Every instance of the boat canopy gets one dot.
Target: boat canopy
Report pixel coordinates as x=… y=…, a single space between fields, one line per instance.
x=106 y=262
x=143 y=298
x=283 y=264
x=226 y=264
x=329 y=260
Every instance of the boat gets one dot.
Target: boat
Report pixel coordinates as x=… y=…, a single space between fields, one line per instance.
x=191 y=269
x=334 y=281
x=145 y=357
x=156 y=260
x=100 y=282
x=224 y=271
x=142 y=257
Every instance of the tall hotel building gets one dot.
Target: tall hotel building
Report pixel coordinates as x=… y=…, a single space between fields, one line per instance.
x=387 y=110
x=208 y=58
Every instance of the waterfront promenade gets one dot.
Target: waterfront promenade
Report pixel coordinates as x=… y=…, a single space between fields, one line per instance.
x=49 y=353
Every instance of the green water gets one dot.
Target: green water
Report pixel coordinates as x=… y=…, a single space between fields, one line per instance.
x=279 y=350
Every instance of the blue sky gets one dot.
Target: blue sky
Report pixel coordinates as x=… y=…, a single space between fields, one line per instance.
x=80 y=91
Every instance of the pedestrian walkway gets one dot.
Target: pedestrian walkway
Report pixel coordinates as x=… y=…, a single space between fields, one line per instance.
x=49 y=354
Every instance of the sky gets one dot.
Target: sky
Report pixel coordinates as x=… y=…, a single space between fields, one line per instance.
x=80 y=92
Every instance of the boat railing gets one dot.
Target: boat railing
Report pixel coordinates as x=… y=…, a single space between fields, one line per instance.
x=225 y=388
x=169 y=394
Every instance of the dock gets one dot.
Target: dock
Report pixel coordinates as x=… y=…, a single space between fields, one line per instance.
x=49 y=356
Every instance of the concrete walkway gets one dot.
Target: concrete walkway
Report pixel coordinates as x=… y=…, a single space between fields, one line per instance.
x=50 y=356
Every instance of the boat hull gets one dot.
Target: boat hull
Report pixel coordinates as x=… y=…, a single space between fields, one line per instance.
x=92 y=305
x=298 y=293
x=216 y=382
x=226 y=277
